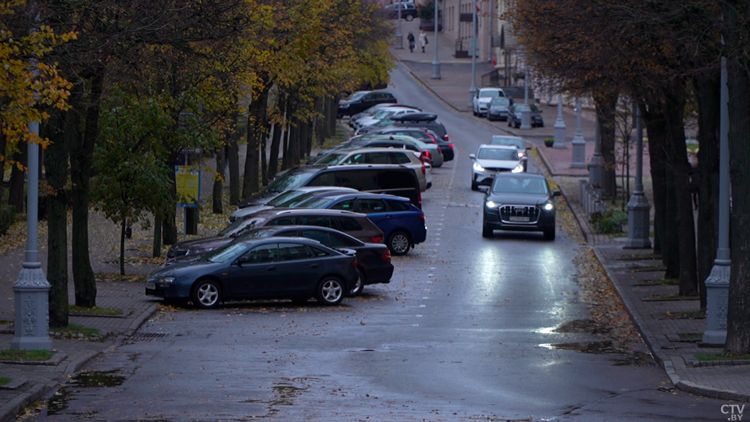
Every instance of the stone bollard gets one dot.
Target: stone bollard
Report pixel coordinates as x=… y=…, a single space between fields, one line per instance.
x=31 y=294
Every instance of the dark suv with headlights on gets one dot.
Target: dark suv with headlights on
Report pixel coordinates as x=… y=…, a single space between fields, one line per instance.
x=521 y=202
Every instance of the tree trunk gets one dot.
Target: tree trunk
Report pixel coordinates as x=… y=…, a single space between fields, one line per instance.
x=122 y=246
x=286 y=160
x=606 y=106
x=17 y=180
x=156 y=250
x=738 y=315
x=169 y=219
x=256 y=129
x=233 y=158
x=273 y=158
x=61 y=127
x=81 y=157
x=679 y=167
x=217 y=195
x=654 y=118
x=707 y=175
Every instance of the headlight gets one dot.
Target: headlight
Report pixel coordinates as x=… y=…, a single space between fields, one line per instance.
x=549 y=206
x=166 y=280
x=478 y=167
x=520 y=154
x=491 y=204
x=518 y=169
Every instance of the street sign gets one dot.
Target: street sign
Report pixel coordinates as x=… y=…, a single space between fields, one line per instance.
x=188 y=180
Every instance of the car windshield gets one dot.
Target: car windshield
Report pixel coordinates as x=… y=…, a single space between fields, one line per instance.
x=500 y=101
x=357 y=95
x=331 y=159
x=319 y=202
x=286 y=196
x=240 y=226
x=490 y=93
x=522 y=185
x=290 y=180
x=258 y=233
x=293 y=202
x=226 y=253
x=497 y=154
x=506 y=140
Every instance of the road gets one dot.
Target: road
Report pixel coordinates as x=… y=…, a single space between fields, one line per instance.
x=464 y=332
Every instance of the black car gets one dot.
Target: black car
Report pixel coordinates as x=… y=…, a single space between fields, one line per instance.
x=361 y=142
x=409 y=11
x=425 y=135
x=423 y=120
x=267 y=268
x=519 y=201
x=514 y=116
x=362 y=100
x=373 y=259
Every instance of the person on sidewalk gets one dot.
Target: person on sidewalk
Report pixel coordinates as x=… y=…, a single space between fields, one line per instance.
x=411 y=39
x=423 y=40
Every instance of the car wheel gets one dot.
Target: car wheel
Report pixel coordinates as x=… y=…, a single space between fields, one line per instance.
x=409 y=18
x=510 y=123
x=474 y=111
x=399 y=243
x=206 y=294
x=540 y=125
x=474 y=184
x=549 y=233
x=330 y=291
x=486 y=231
x=359 y=286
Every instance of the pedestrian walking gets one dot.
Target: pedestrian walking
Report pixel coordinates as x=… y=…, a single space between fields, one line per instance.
x=423 y=40
x=411 y=39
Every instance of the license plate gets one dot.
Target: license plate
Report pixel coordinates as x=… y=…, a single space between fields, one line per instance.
x=151 y=286
x=519 y=219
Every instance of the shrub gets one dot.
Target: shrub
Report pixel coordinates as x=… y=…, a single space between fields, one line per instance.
x=7 y=217
x=609 y=221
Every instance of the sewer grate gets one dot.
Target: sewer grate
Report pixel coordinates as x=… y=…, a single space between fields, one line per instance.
x=148 y=336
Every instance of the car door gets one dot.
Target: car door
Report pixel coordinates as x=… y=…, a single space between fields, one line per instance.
x=377 y=211
x=254 y=273
x=299 y=268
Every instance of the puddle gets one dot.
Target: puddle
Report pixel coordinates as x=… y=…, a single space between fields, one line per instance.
x=629 y=357
x=285 y=394
x=95 y=379
x=580 y=326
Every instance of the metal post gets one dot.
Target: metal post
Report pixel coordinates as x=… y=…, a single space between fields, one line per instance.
x=472 y=46
x=559 y=125
x=31 y=290
x=525 y=109
x=638 y=206
x=717 y=283
x=399 y=34
x=435 y=61
x=579 y=144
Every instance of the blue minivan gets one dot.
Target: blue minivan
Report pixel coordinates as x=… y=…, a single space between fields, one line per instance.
x=402 y=223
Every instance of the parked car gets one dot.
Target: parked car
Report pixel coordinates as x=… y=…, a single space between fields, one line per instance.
x=430 y=153
x=481 y=100
x=370 y=111
x=379 y=115
x=413 y=120
x=265 y=268
x=396 y=180
x=409 y=11
x=425 y=135
x=371 y=155
x=514 y=116
x=373 y=259
x=498 y=108
x=402 y=223
x=521 y=202
x=362 y=100
x=288 y=199
x=353 y=224
x=491 y=160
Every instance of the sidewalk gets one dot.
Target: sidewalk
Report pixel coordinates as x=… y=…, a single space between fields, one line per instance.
x=673 y=342
x=673 y=338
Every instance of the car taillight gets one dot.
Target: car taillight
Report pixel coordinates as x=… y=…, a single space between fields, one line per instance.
x=440 y=150
x=421 y=217
x=445 y=138
x=427 y=154
x=424 y=168
x=355 y=263
x=376 y=239
x=451 y=146
x=386 y=255
x=420 y=199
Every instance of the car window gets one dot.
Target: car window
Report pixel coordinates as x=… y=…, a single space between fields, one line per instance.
x=282 y=221
x=318 y=235
x=318 y=252
x=331 y=159
x=339 y=240
x=294 y=251
x=240 y=226
x=491 y=93
x=393 y=179
x=519 y=185
x=397 y=205
x=344 y=205
x=358 y=179
x=356 y=159
x=324 y=179
x=314 y=220
x=497 y=154
x=290 y=180
x=348 y=224
x=501 y=101
x=504 y=140
x=261 y=254
x=371 y=205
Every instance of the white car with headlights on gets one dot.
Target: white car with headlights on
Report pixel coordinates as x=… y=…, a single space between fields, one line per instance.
x=491 y=160
x=519 y=202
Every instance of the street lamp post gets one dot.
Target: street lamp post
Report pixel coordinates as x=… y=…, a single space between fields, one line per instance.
x=717 y=283
x=435 y=61
x=472 y=45
x=559 y=125
x=579 y=144
x=638 y=206
x=399 y=34
x=596 y=165
x=525 y=109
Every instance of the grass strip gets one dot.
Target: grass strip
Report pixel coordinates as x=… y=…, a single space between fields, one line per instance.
x=708 y=358
x=95 y=311
x=25 y=355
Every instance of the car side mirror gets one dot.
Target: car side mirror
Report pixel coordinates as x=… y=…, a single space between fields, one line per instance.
x=473 y=156
x=556 y=193
x=529 y=148
x=485 y=189
x=242 y=260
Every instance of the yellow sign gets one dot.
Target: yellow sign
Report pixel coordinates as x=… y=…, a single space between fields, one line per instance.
x=188 y=179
